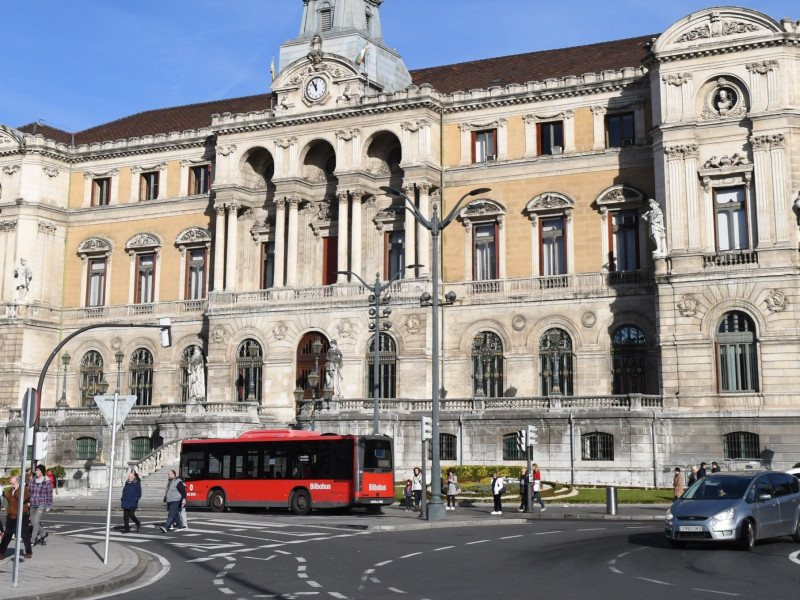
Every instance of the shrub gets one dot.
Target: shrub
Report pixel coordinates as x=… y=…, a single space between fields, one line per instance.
x=58 y=471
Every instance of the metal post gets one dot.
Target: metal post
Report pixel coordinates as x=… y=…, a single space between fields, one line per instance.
x=118 y=355
x=436 y=508
x=376 y=386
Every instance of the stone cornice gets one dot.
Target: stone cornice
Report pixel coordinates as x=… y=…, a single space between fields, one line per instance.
x=728 y=46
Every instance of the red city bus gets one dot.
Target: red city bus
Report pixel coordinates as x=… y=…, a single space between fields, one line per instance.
x=289 y=468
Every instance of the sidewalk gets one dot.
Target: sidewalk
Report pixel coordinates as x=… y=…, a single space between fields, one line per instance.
x=68 y=568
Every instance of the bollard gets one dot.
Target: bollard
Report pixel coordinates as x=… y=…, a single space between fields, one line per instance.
x=611 y=500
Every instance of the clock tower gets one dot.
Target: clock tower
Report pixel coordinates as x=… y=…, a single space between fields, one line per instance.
x=342 y=29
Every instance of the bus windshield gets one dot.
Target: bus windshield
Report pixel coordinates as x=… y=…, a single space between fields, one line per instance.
x=377 y=455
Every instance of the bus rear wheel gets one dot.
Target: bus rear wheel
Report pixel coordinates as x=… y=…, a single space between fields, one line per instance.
x=217 y=501
x=301 y=502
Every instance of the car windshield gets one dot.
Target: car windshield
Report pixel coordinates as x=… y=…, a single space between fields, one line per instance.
x=718 y=488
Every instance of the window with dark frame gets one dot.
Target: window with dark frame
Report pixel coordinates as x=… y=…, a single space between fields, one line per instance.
x=101 y=191
x=148 y=186
x=484 y=252
x=597 y=446
x=395 y=254
x=87 y=448
x=620 y=130
x=196 y=273
x=552 y=246
x=141 y=446
x=550 y=137
x=448 y=449
x=487 y=365
x=267 y=265
x=199 y=178
x=387 y=366
x=484 y=145
x=628 y=360
x=96 y=284
x=91 y=374
x=512 y=449
x=737 y=360
x=249 y=369
x=624 y=241
x=730 y=206
x=140 y=376
x=145 y=277
x=741 y=445
x=555 y=363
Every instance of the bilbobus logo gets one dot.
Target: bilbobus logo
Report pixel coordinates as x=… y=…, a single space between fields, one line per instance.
x=320 y=486
x=377 y=487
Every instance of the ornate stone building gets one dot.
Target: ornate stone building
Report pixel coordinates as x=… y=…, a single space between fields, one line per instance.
x=636 y=334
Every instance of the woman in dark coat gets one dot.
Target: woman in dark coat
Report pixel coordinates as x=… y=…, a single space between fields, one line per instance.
x=131 y=494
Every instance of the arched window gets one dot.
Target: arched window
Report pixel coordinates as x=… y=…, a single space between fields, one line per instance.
x=140 y=376
x=487 y=365
x=736 y=353
x=140 y=447
x=248 y=365
x=555 y=363
x=87 y=448
x=91 y=374
x=183 y=373
x=447 y=447
x=741 y=444
x=628 y=360
x=597 y=446
x=387 y=367
x=514 y=446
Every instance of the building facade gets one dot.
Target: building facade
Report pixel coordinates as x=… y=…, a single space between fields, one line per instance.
x=627 y=284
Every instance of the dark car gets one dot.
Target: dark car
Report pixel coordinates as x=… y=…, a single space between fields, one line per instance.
x=736 y=507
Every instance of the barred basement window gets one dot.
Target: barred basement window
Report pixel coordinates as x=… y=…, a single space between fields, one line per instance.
x=90 y=375
x=447 y=447
x=628 y=360
x=741 y=444
x=387 y=367
x=597 y=446
x=87 y=448
x=513 y=447
x=140 y=447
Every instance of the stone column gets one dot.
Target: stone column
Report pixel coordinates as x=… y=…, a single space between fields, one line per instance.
x=692 y=201
x=219 y=247
x=760 y=166
x=292 y=242
x=230 y=263
x=779 y=179
x=410 y=227
x=343 y=233
x=598 y=127
x=355 y=249
x=423 y=237
x=280 y=240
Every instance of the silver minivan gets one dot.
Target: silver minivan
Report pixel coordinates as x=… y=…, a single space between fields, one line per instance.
x=736 y=507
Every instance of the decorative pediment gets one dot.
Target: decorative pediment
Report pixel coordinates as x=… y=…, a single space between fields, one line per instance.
x=619 y=195
x=193 y=236
x=716 y=26
x=142 y=241
x=482 y=209
x=94 y=245
x=549 y=202
x=10 y=139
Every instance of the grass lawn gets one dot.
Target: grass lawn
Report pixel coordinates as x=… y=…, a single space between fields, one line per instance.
x=624 y=496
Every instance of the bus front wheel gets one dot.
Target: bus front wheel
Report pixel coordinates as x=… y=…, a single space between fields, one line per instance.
x=301 y=502
x=217 y=501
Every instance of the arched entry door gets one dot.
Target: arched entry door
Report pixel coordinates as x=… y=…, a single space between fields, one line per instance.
x=307 y=361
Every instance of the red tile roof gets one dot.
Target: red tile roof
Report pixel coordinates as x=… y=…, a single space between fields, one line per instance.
x=501 y=71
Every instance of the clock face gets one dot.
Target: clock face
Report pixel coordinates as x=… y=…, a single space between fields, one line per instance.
x=316 y=88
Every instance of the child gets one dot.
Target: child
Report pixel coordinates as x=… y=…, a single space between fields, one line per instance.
x=409 y=496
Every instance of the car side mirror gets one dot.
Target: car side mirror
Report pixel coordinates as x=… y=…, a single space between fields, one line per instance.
x=764 y=497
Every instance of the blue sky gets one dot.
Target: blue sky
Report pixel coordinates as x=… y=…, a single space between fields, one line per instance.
x=82 y=63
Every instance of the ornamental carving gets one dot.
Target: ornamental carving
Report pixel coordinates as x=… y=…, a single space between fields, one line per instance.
x=413 y=325
x=776 y=301
x=347 y=135
x=687 y=306
x=7 y=225
x=47 y=228
x=549 y=201
x=218 y=335
x=681 y=151
x=734 y=160
x=280 y=331
x=678 y=79
x=717 y=28
x=193 y=235
x=588 y=319
x=287 y=143
x=764 y=142
x=724 y=99
x=226 y=150
x=142 y=240
x=50 y=171
x=344 y=329
x=763 y=67
x=94 y=245
x=11 y=169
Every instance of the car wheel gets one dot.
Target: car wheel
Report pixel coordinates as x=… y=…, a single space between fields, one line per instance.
x=747 y=538
x=301 y=503
x=796 y=534
x=217 y=501
x=677 y=544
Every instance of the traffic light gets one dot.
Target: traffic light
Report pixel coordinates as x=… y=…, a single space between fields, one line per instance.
x=39 y=445
x=521 y=441
x=532 y=435
x=166 y=332
x=427 y=428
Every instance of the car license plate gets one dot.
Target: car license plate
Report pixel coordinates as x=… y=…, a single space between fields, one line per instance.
x=690 y=528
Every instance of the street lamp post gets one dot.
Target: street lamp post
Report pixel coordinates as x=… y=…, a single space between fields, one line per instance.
x=380 y=309
x=65 y=358
x=436 y=508
x=313 y=383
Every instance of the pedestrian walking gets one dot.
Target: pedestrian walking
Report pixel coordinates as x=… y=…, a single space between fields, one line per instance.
x=408 y=496
x=452 y=489
x=41 y=500
x=524 y=487
x=416 y=487
x=677 y=484
x=537 y=486
x=175 y=497
x=12 y=498
x=498 y=489
x=131 y=494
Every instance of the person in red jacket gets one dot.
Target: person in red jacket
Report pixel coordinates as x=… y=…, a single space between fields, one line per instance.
x=12 y=507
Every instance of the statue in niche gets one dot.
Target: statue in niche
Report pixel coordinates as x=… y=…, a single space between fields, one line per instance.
x=197 y=376
x=658 y=231
x=22 y=278
x=333 y=369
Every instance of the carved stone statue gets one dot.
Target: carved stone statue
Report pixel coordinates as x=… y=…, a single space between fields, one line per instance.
x=724 y=102
x=658 y=231
x=197 y=377
x=22 y=278
x=333 y=369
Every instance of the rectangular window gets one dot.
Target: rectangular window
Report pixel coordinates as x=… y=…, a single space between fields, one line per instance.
x=395 y=253
x=738 y=366
x=553 y=250
x=597 y=446
x=87 y=448
x=145 y=276
x=326 y=19
x=619 y=130
x=484 y=252
x=101 y=191
x=199 y=178
x=148 y=186
x=730 y=205
x=196 y=274
x=484 y=145
x=267 y=265
x=624 y=241
x=330 y=259
x=551 y=137
x=96 y=290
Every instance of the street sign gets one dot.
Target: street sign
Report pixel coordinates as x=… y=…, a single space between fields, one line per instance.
x=30 y=407
x=106 y=406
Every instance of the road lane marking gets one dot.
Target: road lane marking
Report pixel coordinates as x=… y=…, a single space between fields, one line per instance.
x=412 y=554
x=477 y=542
x=795 y=557
x=714 y=592
x=511 y=537
x=443 y=548
x=654 y=581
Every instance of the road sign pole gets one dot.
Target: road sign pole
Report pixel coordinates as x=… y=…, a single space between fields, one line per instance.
x=111 y=475
x=30 y=412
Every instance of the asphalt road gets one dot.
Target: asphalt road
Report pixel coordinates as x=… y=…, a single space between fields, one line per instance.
x=261 y=555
